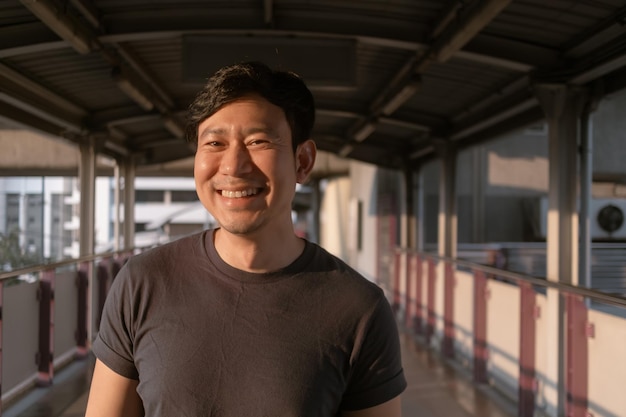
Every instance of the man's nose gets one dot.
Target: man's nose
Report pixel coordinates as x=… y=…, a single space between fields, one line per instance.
x=236 y=160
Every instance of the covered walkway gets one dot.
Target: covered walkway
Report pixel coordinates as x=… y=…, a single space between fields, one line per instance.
x=452 y=134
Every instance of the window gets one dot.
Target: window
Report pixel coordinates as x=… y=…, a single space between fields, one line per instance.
x=149 y=196
x=180 y=196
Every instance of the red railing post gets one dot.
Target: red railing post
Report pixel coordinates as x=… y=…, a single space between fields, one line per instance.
x=82 y=284
x=481 y=353
x=448 y=310
x=432 y=317
x=1 y=303
x=396 y=282
x=409 y=300
x=103 y=274
x=418 y=319
x=578 y=332
x=45 y=355
x=527 y=381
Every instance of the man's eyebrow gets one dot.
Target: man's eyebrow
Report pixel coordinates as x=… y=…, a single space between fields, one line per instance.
x=211 y=131
x=248 y=131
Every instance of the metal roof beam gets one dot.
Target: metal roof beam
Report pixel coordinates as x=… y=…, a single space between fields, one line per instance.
x=268 y=12
x=64 y=25
x=600 y=34
x=12 y=79
x=450 y=35
x=10 y=114
x=460 y=31
x=88 y=11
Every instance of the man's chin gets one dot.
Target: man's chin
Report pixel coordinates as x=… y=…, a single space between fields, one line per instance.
x=240 y=229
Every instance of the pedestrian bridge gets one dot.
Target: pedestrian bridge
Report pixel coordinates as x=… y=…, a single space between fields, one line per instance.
x=471 y=163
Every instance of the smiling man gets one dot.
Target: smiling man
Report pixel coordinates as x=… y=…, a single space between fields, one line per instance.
x=248 y=319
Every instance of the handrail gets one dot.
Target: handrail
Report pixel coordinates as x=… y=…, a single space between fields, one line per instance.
x=519 y=277
x=53 y=265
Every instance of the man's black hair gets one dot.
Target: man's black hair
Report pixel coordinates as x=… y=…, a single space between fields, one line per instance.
x=284 y=89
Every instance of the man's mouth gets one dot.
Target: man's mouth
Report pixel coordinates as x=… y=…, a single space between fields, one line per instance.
x=239 y=193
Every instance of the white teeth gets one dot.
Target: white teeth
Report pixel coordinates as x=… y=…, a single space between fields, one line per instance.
x=239 y=194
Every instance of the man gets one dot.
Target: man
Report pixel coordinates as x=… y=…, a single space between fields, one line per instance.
x=248 y=319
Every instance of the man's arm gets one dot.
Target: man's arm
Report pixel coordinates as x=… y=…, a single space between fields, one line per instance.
x=391 y=408
x=112 y=395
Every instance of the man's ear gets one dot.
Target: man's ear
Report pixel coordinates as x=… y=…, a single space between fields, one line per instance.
x=305 y=160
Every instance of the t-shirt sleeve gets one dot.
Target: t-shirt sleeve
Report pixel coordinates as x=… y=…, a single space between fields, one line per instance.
x=114 y=342
x=377 y=374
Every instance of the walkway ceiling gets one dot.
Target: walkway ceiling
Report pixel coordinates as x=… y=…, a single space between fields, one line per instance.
x=393 y=79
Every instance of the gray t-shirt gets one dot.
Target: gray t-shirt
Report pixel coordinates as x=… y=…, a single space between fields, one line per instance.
x=206 y=339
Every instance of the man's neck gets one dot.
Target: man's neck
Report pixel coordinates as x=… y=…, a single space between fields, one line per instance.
x=258 y=254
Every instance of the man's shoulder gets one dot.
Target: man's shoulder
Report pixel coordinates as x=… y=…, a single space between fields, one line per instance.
x=341 y=273
x=180 y=251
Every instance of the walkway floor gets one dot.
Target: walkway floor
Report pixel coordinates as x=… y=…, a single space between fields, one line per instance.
x=435 y=389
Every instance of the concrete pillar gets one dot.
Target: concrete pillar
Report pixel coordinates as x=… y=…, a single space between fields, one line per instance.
x=418 y=208
x=117 y=207
x=447 y=240
x=407 y=239
x=87 y=230
x=87 y=183
x=129 y=203
x=316 y=198
x=562 y=105
x=409 y=210
x=479 y=175
x=586 y=182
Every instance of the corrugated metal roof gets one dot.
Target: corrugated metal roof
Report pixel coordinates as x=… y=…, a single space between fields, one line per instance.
x=425 y=71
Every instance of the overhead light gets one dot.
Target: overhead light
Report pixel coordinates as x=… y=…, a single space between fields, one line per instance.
x=131 y=90
x=364 y=131
x=401 y=97
x=62 y=24
x=173 y=127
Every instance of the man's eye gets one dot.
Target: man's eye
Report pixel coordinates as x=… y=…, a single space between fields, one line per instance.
x=258 y=141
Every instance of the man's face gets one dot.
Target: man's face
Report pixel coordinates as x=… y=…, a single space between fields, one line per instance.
x=245 y=170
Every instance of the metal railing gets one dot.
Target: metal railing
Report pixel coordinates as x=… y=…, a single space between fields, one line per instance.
x=48 y=320
x=507 y=329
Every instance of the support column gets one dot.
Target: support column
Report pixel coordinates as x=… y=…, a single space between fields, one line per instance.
x=316 y=201
x=586 y=181
x=418 y=205
x=407 y=239
x=87 y=182
x=447 y=241
x=562 y=105
x=129 y=204
x=117 y=204
x=418 y=273
x=447 y=201
x=478 y=194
